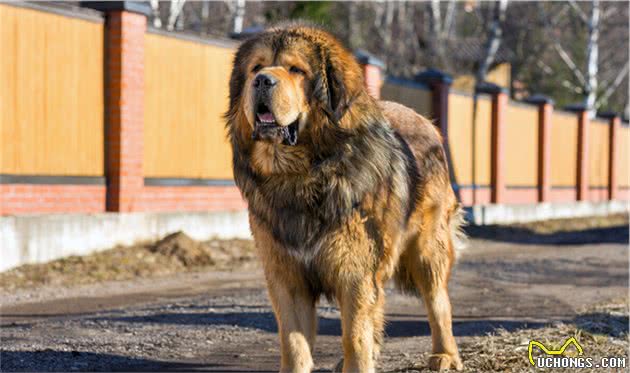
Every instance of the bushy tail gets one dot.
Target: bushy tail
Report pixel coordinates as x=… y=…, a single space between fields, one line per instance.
x=457 y=221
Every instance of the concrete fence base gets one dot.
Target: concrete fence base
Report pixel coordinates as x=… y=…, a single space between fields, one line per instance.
x=501 y=214
x=40 y=238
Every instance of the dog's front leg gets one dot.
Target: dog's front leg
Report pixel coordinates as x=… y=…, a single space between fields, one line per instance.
x=359 y=303
x=297 y=323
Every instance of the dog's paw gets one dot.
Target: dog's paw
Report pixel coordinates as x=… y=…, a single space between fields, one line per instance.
x=445 y=361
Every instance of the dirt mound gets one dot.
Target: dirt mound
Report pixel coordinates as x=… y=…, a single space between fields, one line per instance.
x=181 y=247
x=174 y=253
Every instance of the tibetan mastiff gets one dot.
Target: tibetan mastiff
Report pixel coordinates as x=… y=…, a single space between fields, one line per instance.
x=344 y=192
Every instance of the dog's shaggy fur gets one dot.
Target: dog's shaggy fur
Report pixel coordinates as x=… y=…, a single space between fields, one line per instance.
x=344 y=192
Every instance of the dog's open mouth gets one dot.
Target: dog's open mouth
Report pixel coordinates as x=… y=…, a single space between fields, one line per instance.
x=267 y=129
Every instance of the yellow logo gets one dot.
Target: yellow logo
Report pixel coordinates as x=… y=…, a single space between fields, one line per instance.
x=553 y=352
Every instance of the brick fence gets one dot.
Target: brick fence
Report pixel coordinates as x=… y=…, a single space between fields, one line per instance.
x=125 y=187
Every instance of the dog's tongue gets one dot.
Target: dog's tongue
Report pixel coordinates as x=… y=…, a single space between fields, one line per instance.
x=266 y=117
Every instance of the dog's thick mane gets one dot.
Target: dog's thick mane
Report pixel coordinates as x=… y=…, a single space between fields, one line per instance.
x=288 y=204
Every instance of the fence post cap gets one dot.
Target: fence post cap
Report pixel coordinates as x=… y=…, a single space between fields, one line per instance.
x=247 y=33
x=433 y=76
x=607 y=114
x=539 y=99
x=490 y=88
x=139 y=7
x=366 y=58
x=576 y=108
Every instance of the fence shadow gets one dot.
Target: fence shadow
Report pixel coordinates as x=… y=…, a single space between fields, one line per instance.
x=521 y=235
x=616 y=325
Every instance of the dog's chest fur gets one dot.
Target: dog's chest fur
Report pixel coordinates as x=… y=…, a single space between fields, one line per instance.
x=300 y=201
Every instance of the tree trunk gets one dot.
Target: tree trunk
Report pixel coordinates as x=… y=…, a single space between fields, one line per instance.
x=592 y=55
x=155 y=10
x=239 y=15
x=494 y=40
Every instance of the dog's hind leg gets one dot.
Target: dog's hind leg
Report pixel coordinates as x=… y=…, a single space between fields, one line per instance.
x=427 y=262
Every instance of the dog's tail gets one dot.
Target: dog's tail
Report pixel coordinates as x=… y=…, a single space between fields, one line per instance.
x=457 y=222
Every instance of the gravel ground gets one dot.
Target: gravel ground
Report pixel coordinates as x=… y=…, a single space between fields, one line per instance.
x=538 y=283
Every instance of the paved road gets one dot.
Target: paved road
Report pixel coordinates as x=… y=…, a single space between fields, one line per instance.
x=218 y=321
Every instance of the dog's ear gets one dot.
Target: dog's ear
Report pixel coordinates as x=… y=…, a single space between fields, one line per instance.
x=334 y=88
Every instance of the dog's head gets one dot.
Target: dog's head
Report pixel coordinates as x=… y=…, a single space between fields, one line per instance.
x=289 y=84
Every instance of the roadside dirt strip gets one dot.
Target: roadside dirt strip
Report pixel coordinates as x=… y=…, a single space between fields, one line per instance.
x=503 y=293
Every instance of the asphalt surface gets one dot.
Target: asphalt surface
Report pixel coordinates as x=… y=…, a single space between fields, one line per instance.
x=222 y=321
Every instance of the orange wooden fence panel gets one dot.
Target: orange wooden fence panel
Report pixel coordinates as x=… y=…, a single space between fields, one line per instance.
x=563 y=149
x=186 y=95
x=521 y=145
x=460 y=118
x=623 y=164
x=51 y=94
x=598 y=153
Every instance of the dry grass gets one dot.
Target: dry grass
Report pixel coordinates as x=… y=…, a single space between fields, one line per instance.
x=602 y=331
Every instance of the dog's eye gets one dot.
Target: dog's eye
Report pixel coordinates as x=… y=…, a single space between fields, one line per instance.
x=257 y=68
x=296 y=70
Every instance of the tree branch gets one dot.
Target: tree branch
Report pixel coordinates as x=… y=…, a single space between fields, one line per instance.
x=494 y=40
x=578 y=11
x=448 y=20
x=613 y=87
x=155 y=10
x=175 y=10
x=572 y=87
x=564 y=56
x=569 y=62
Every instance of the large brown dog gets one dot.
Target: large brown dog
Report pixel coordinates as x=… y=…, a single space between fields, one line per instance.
x=344 y=193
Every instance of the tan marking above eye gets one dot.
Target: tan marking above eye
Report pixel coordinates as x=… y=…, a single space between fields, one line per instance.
x=292 y=62
x=259 y=59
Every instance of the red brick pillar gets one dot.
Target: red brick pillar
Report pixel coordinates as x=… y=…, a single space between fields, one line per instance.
x=582 y=156
x=545 y=109
x=440 y=84
x=372 y=72
x=613 y=149
x=497 y=159
x=581 y=182
x=125 y=27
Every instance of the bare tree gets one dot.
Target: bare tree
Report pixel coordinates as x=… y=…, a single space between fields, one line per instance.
x=237 y=10
x=155 y=10
x=441 y=30
x=175 y=10
x=174 y=16
x=495 y=35
x=587 y=75
x=592 y=53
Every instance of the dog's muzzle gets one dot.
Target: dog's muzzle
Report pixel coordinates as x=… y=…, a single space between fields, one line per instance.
x=267 y=129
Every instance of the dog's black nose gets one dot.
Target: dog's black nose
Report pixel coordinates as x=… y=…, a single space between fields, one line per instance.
x=263 y=81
